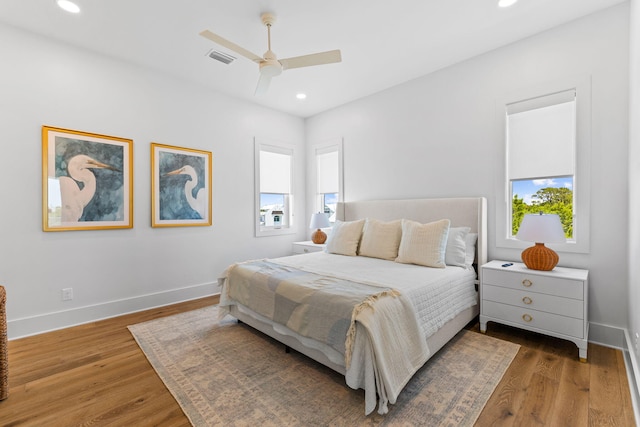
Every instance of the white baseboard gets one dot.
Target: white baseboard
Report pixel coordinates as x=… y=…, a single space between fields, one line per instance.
x=608 y=336
x=28 y=326
x=633 y=373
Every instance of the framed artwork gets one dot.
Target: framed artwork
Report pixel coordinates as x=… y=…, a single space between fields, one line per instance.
x=180 y=186
x=87 y=181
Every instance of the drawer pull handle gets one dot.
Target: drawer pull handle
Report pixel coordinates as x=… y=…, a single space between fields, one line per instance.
x=527 y=300
x=527 y=317
x=526 y=283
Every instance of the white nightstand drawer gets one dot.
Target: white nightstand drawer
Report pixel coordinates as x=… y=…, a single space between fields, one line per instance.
x=534 y=301
x=306 y=247
x=534 y=319
x=559 y=286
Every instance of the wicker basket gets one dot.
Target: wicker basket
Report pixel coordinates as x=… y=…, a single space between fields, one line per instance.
x=4 y=363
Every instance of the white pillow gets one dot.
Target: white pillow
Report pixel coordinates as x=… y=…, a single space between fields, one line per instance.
x=381 y=239
x=423 y=244
x=471 y=248
x=456 y=252
x=345 y=237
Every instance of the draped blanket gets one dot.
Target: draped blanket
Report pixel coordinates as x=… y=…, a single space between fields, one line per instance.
x=374 y=327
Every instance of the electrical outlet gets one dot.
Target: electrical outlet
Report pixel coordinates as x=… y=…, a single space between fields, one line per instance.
x=67 y=294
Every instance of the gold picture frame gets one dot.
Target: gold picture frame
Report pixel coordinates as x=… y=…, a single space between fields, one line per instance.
x=87 y=181
x=181 y=187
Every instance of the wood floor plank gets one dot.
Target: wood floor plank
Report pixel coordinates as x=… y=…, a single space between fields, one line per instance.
x=571 y=406
x=96 y=375
x=536 y=408
x=626 y=403
x=509 y=395
x=605 y=408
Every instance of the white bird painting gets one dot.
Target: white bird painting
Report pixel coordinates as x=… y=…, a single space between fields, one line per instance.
x=74 y=198
x=197 y=203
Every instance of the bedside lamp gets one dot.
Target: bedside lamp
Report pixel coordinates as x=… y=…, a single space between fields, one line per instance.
x=318 y=221
x=540 y=229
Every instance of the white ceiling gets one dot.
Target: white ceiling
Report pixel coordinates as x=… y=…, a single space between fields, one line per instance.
x=382 y=44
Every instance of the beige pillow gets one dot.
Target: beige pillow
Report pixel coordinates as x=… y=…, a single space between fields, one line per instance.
x=381 y=239
x=345 y=237
x=423 y=244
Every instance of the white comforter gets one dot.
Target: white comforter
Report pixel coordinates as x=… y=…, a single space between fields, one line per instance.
x=437 y=294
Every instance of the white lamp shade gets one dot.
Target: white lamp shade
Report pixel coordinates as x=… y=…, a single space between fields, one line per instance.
x=319 y=220
x=541 y=228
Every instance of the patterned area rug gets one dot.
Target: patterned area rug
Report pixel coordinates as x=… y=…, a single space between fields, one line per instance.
x=223 y=373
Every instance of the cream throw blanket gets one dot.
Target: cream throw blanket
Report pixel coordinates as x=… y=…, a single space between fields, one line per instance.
x=388 y=349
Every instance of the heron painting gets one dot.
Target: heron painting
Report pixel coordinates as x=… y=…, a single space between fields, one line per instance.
x=79 y=188
x=181 y=186
x=87 y=179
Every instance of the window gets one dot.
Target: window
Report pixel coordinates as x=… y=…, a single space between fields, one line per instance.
x=328 y=166
x=547 y=140
x=541 y=157
x=274 y=183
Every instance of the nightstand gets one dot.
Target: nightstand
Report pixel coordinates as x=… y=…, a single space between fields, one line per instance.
x=549 y=302
x=306 y=247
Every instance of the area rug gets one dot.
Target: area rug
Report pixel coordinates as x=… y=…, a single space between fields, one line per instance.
x=226 y=374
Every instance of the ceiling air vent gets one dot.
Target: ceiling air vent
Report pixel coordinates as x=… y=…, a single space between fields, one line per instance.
x=219 y=56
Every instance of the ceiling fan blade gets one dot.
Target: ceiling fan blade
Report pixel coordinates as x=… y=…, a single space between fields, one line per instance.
x=230 y=45
x=263 y=85
x=321 y=58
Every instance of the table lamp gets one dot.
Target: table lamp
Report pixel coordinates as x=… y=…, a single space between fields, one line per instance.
x=319 y=220
x=541 y=229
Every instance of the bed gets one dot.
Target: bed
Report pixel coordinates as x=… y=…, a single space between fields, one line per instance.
x=352 y=307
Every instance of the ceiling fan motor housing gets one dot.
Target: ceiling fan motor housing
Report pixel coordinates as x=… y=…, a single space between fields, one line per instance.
x=270 y=67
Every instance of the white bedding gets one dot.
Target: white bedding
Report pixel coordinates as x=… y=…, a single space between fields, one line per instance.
x=426 y=288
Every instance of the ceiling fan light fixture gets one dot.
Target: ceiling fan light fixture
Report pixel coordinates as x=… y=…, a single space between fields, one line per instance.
x=301 y=95
x=506 y=3
x=270 y=68
x=68 y=6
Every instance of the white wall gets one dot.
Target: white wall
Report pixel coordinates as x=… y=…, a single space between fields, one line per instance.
x=634 y=186
x=116 y=271
x=436 y=137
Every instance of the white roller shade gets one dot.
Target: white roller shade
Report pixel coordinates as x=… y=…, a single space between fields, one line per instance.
x=541 y=137
x=275 y=172
x=328 y=172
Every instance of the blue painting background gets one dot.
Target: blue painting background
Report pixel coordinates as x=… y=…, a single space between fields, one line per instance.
x=173 y=203
x=107 y=203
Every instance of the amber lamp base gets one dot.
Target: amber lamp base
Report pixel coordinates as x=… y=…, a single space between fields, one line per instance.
x=540 y=257
x=319 y=237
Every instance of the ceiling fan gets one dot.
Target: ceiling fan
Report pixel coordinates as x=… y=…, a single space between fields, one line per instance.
x=270 y=65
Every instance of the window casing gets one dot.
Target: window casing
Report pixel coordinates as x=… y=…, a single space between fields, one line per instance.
x=328 y=172
x=547 y=140
x=274 y=184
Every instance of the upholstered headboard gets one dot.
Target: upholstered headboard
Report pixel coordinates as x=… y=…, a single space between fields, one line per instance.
x=462 y=212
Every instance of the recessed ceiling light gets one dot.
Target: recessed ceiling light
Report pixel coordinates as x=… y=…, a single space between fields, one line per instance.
x=69 y=6
x=301 y=95
x=506 y=3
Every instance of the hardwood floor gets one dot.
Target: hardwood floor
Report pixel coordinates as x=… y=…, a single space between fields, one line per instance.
x=546 y=384
x=95 y=374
